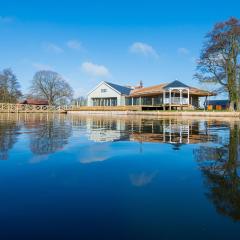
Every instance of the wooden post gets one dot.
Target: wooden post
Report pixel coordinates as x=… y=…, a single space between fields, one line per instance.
x=163 y=100
x=180 y=98
x=170 y=131
x=205 y=104
x=170 y=99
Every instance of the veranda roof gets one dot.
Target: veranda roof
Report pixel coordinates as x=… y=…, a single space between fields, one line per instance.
x=159 y=89
x=176 y=84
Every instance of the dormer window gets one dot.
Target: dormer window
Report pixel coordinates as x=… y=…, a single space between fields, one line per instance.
x=103 y=90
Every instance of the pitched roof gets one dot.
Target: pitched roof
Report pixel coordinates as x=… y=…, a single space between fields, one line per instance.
x=122 y=89
x=157 y=89
x=149 y=90
x=34 y=101
x=176 y=84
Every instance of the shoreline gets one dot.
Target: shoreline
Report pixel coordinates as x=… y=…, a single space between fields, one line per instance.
x=160 y=113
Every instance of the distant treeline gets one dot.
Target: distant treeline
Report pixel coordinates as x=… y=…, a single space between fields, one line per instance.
x=46 y=85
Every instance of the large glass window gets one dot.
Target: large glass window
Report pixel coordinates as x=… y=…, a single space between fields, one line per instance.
x=104 y=101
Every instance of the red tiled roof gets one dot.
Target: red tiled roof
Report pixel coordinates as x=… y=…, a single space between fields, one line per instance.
x=35 y=101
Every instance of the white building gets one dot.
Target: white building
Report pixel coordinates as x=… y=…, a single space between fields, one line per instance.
x=108 y=94
x=165 y=96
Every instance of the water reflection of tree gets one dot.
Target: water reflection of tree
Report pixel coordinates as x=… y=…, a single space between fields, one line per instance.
x=220 y=167
x=50 y=136
x=8 y=137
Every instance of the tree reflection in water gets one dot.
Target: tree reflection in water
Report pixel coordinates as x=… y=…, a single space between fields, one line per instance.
x=220 y=167
x=8 y=137
x=48 y=133
x=50 y=136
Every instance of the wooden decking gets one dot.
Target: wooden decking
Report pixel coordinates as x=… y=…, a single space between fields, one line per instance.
x=105 y=108
x=130 y=107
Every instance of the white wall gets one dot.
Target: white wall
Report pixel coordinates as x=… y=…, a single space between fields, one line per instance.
x=122 y=101
x=110 y=93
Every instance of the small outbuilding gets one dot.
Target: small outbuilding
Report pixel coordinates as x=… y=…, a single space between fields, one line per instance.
x=217 y=104
x=33 y=101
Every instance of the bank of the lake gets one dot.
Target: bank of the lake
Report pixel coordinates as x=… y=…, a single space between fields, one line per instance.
x=163 y=113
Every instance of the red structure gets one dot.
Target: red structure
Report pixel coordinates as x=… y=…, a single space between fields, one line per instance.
x=32 y=101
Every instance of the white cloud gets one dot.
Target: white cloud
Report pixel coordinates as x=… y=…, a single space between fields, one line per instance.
x=183 y=51
x=143 y=49
x=74 y=44
x=51 y=47
x=95 y=70
x=6 y=19
x=40 y=66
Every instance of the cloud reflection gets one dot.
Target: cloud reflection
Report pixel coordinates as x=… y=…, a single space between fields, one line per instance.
x=142 y=179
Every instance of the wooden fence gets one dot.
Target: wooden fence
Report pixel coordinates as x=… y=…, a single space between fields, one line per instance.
x=28 y=108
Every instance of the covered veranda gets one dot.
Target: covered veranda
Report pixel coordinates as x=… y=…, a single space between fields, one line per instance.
x=173 y=96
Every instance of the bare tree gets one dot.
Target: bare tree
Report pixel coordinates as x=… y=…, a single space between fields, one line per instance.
x=51 y=86
x=9 y=87
x=80 y=101
x=219 y=59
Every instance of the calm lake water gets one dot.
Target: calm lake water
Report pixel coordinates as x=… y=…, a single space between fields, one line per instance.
x=93 y=177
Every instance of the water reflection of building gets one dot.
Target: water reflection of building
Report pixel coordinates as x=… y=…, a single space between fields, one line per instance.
x=50 y=133
x=167 y=131
x=173 y=131
x=100 y=130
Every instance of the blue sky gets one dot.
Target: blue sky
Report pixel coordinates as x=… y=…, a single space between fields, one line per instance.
x=118 y=41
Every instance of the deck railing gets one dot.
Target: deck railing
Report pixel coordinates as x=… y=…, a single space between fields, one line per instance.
x=11 y=107
x=176 y=100
x=28 y=108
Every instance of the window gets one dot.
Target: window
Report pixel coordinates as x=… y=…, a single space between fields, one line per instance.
x=103 y=90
